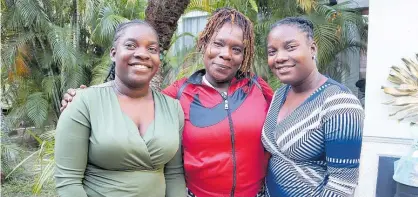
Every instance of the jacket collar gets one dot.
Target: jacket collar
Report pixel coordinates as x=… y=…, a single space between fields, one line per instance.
x=197 y=77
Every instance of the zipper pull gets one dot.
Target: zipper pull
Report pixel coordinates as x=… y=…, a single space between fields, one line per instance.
x=225 y=97
x=226 y=104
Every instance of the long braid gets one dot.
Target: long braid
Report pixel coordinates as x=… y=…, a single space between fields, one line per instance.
x=111 y=75
x=229 y=15
x=118 y=33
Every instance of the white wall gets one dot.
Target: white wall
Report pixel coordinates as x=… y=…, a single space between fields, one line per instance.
x=393 y=34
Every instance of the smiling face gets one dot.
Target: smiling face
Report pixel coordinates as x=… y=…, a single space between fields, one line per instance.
x=290 y=54
x=136 y=55
x=224 y=54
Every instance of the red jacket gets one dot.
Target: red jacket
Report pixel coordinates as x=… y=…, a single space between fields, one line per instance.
x=223 y=153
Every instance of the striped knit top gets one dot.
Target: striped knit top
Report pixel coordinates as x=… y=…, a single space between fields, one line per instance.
x=315 y=149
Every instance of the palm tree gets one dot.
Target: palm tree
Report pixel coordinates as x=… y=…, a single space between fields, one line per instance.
x=45 y=52
x=338 y=29
x=163 y=16
x=39 y=59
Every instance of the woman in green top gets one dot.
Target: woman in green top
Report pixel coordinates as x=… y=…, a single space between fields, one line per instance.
x=121 y=138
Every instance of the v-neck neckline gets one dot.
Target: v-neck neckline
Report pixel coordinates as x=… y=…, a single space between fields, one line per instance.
x=147 y=136
x=284 y=97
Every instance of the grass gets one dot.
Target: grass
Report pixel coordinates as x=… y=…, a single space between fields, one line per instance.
x=21 y=186
x=21 y=182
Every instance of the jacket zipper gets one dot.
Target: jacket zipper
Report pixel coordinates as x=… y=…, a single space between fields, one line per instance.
x=231 y=129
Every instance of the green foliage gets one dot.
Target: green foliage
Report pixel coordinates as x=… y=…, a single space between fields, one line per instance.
x=339 y=30
x=10 y=153
x=44 y=168
x=49 y=46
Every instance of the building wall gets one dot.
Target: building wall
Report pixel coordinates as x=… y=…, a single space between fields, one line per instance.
x=392 y=36
x=192 y=22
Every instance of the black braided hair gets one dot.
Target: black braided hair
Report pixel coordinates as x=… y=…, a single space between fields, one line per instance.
x=302 y=24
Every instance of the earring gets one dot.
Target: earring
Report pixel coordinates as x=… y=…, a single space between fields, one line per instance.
x=314 y=57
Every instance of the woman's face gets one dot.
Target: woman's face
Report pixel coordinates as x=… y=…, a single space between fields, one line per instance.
x=225 y=53
x=136 y=55
x=290 y=54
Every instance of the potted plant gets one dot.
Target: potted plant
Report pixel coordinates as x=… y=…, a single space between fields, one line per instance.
x=405 y=102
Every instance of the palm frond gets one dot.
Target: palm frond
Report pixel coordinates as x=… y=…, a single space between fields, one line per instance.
x=327 y=41
x=108 y=22
x=12 y=46
x=306 y=5
x=37 y=108
x=204 y=5
x=88 y=10
x=49 y=84
x=9 y=153
x=31 y=13
x=193 y=61
x=20 y=164
x=101 y=69
x=254 y=5
x=176 y=61
x=46 y=175
x=46 y=163
x=16 y=115
x=73 y=76
x=48 y=136
x=61 y=45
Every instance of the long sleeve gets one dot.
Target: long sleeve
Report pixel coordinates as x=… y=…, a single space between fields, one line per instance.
x=343 y=131
x=174 y=172
x=71 y=148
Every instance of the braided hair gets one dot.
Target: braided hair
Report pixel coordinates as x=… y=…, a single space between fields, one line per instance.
x=302 y=24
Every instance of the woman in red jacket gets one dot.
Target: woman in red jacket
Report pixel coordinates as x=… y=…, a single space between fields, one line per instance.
x=225 y=107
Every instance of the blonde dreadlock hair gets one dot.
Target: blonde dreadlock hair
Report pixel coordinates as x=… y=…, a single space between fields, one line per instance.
x=229 y=15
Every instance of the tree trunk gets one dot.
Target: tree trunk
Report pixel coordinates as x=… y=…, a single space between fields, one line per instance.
x=163 y=16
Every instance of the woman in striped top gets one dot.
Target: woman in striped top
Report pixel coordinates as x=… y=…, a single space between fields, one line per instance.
x=314 y=125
